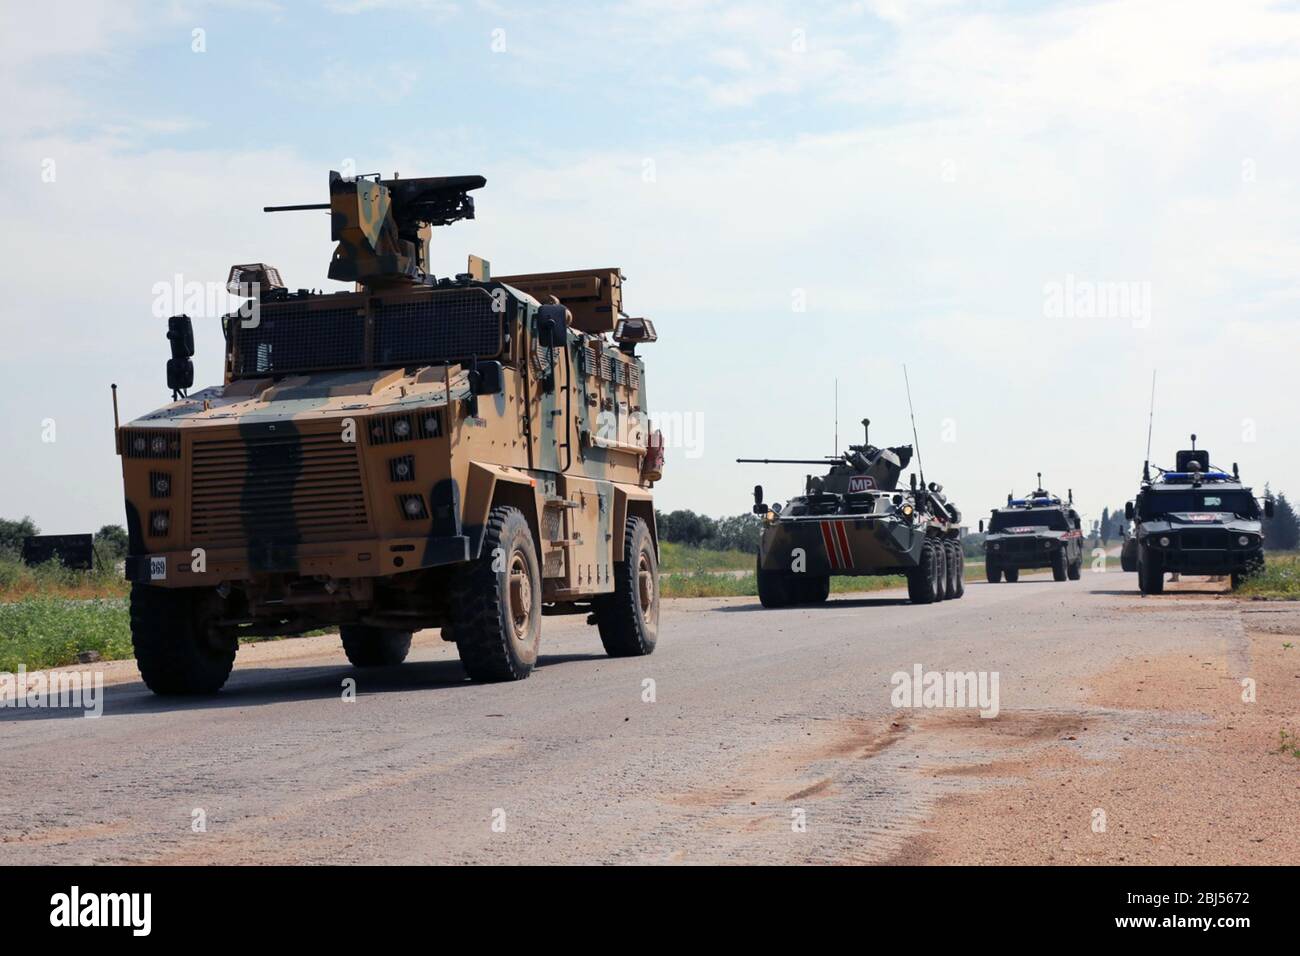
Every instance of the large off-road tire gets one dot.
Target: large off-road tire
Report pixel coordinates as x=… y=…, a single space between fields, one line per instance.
x=922 y=581
x=1012 y=575
x=812 y=590
x=374 y=646
x=941 y=579
x=1151 y=574
x=774 y=587
x=1060 y=562
x=1074 y=570
x=1128 y=556
x=175 y=647
x=992 y=573
x=956 y=570
x=496 y=607
x=628 y=619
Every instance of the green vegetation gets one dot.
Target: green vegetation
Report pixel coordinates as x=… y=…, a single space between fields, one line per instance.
x=40 y=632
x=685 y=557
x=1280 y=578
x=17 y=581
x=1288 y=743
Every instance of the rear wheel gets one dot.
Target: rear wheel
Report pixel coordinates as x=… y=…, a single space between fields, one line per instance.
x=176 y=647
x=374 y=646
x=628 y=619
x=1013 y=575
x=496 y=613
x=815 y=590
x=956 y=570
x=1151 y=575
x=941 y=571
x=922 y=581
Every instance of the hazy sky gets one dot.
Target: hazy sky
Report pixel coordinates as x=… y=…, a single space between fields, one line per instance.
x=1032 y=205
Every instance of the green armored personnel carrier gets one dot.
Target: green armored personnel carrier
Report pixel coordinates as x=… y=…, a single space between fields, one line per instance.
x=855 y=520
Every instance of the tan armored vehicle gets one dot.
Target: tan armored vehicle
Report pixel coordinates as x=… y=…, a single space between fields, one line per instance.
x=467 y=453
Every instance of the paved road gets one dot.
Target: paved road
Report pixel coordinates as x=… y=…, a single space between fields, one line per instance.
x=756 y=715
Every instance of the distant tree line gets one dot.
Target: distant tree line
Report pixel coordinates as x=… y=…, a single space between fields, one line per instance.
x=736 y=533
x=110 y=540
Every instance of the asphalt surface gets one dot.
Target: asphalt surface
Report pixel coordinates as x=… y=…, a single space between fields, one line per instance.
x=770 y=738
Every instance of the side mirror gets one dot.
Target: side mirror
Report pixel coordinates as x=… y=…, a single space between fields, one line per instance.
x=1268 y=507
x=552 y=325
x=981 y=525
x=1128 y=511
x=180 y=370
x=759 y=507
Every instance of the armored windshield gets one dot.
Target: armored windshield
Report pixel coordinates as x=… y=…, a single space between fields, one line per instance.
x=1050 y=519
x=1240 y=503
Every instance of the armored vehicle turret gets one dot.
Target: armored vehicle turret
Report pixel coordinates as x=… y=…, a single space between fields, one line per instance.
x=856 y=520
x=1195 y=519
x=465 y=452
x=1039 y=530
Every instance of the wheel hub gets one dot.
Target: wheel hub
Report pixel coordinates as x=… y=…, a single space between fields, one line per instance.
x=521 y=594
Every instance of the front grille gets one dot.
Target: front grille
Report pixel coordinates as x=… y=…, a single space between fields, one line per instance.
x=1022 y=545
x=287 y=487
x=1204 y=540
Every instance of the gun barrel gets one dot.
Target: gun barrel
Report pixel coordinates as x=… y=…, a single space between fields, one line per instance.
x=787 y=461
x=309 y=205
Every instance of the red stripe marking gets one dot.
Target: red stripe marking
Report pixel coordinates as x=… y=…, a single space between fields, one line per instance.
x=831 y=554
x=844 y=540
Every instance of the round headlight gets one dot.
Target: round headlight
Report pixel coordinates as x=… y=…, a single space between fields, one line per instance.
x=995 y=545
x=1164 y=542
x=402 y=469
x=907 y=511
x=1243 y=540
x=431 y=426
x=159 y=445
x=160 y=522
x=401 y=428
x=1047 y=544
x=162 y=485
x=412 y=506
x=138 y=443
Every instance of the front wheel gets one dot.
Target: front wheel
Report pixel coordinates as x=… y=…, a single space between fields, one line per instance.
x=176 y=647
x=773 y=587
x=1074 y=570
x=1151 y=575
x=1060 y=560
x=992 y=573
x=923 y=580
x=1013 y=575
x=628 y=619
x=368 y=646
x=496 y=614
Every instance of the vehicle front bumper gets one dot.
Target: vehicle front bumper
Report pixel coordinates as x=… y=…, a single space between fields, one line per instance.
x=1023 y=552
x=1228 y=560
x=374 y=557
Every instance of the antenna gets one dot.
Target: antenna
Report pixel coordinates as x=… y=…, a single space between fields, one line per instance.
x=912 y=413
x=1151 y=417
x=836 y=449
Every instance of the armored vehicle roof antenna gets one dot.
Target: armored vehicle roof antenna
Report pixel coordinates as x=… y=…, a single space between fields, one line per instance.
x=836 y=450
x=866 y=432
x=912 y=412
x=1151 y=417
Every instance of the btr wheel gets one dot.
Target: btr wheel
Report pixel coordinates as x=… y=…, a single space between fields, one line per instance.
x=956 y=570
x=176 y=646
x=941 y=572
x=774 y=587
x=374 y=646
x=922 y=581
x=496 y=613
x=628 y=619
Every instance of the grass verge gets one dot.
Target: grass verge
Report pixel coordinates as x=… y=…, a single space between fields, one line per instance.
x=45 y=631
x=704 y=583
x=1280 y=578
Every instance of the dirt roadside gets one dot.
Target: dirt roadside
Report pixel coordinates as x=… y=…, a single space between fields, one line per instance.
x=1169 y=762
